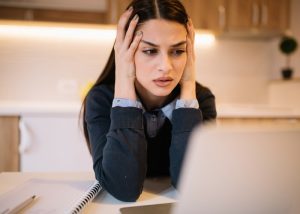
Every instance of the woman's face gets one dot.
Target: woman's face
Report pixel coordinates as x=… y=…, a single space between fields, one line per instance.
x=160 y=57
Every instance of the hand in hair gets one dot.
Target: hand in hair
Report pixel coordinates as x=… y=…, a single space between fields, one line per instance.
x=125 y=48
x=188 y=80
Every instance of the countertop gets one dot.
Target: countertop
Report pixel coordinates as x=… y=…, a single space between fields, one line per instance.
x=15 y=108
x=256 y=111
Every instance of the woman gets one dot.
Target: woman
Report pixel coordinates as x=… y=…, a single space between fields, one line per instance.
x=143 y=107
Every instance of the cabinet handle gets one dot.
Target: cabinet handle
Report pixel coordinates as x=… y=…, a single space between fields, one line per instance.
x=29 y=15
x=26 y=140
x=255 y=14
x=265 y=15
x=222 y=17
x=113 y=11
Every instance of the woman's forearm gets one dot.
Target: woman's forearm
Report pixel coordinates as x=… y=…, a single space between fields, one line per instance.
x=122 y=168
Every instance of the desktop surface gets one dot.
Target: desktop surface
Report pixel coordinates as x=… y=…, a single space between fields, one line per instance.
x=156 y=190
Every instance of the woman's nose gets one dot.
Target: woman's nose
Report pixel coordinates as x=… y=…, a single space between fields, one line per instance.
x=165 y=64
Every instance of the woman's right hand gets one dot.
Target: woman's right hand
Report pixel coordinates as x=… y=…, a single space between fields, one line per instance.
x=125 y=48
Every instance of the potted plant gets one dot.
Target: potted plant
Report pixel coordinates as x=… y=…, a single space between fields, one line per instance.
x=287 y=46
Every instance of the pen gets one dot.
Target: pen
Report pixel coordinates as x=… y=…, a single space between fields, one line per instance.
x=20 y=206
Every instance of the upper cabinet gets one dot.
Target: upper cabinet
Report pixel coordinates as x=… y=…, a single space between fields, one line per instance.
x=240 y=17
x=223 y=17
x=115 y=9
x=76 y=11
x=207 y=14
x=258 y=16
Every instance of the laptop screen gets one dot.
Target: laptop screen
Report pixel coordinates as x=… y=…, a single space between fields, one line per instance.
x=242 y=169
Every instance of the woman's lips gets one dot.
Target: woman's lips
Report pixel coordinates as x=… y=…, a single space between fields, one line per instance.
x=163 y=81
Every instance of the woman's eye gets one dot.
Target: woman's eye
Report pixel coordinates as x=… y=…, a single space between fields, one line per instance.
x=150 y=52
x=178 y=52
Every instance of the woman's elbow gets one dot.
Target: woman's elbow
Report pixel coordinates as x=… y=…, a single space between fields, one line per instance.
x=121 y=189
x=126 y=196
x=123 y=185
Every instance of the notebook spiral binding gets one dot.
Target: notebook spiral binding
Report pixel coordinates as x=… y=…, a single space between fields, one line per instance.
x=86 y=198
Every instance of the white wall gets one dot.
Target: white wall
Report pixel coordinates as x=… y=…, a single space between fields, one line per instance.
x=236 y=70
x=38 y=69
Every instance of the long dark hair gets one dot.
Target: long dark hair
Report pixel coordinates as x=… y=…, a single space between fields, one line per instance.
x=171 y=10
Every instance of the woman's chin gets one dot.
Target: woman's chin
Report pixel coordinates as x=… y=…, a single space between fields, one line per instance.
x=161 y=92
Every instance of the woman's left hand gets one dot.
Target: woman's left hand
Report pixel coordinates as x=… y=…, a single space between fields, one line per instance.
x=188 y=79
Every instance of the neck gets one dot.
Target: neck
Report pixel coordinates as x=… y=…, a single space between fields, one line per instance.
x=152 y=102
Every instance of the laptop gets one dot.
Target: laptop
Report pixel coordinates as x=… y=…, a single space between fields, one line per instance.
x=242 y=168
x=238 y=169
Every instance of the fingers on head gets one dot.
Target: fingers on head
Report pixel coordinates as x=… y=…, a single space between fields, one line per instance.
x=122 y=24
x=130 y=30
x=135 y=43
x=189 y=44
x=191 y=30
x=190 y=48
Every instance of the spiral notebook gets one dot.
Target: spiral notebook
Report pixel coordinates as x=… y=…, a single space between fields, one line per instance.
x=52 y=196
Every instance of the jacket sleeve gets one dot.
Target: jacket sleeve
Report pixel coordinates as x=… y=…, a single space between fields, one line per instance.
x=184 y=121
x=118 y=146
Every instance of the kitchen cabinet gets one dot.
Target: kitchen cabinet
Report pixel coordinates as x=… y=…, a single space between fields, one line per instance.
x=9 y=143
x=115 y=9
x=53 y=143
x=207 y=14
x=52 y=15
x=222 y=17
x=240 y=17
x=108 y=15
x=257 y=16
x=88 y=11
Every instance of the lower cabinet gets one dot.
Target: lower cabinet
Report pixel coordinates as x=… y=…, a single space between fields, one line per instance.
x=9 y=143
x=53 y=143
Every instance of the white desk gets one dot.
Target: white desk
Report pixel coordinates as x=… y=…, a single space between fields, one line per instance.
x=155 y=190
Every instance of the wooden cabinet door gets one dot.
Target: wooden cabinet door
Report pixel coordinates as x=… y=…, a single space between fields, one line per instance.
x=9 y=144
x=52 y=15
x=271 y=16
x=207 y=14
x=274 y=15
x=115 y=9
x=242 y=15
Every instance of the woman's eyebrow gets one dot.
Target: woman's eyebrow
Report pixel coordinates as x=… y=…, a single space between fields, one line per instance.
x=179 y=44
x=149 y=43
x=154 y=45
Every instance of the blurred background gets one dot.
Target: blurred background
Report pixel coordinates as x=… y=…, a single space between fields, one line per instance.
x=51 y=51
